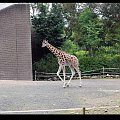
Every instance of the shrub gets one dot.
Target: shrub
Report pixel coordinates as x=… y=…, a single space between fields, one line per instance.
x=115 y=61
x=47 y=64
x=87 y=63
x=70 y=47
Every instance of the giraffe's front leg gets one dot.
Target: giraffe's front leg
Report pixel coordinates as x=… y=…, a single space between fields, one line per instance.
x=58 y=72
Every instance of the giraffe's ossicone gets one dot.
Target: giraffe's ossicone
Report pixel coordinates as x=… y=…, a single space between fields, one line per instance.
x=64 y=59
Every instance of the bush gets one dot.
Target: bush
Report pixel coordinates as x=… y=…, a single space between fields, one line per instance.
x=70 y=47
x=93 y=63
x=115 y=61
x=87 y=63
x=47 y=64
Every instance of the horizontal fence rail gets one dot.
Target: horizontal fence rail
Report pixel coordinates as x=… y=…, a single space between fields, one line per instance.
x=99 y=73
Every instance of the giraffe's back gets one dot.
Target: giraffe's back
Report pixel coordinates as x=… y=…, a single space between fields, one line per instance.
x=68 y=60
x=63 y=57
x=72 y=59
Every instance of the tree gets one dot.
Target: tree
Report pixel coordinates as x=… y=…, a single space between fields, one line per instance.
x=70 y=47
x=90 y=30
x=70 y=15
x=111 y=17
x=47 y=23
x=111 y=11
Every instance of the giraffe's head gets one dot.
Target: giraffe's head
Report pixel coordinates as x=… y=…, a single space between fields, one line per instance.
x=44 y=43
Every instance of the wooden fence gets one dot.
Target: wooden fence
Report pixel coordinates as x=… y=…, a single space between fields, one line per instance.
x=99 y=73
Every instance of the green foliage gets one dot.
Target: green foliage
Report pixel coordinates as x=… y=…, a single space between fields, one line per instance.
x=110 y=50
x=87 y=63
x=115 y=62
x=48 y=23
x=70 y=47
x=47 y=64
x=110 y=11
x=111 y=18
x=107 y=57
x=117 y=34
x=86 y=34
x=70 y=12
x=81 y=53
x=93 y=63
x=90 y=28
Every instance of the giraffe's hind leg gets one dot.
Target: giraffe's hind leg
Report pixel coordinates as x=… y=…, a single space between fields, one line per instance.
x=79 y=73
x=64 y=84
x=73 y=73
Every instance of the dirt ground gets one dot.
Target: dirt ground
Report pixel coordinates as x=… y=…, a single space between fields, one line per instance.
x=98 y=96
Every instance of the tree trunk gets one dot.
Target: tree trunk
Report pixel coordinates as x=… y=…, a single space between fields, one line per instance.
x=90 y=50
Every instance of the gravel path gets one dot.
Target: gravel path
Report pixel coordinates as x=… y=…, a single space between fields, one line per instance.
x=47 y=95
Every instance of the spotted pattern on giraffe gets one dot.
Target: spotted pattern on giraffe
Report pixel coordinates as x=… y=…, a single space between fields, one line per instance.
x=64 y=59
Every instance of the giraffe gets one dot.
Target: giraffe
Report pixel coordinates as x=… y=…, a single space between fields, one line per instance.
x=64 y=59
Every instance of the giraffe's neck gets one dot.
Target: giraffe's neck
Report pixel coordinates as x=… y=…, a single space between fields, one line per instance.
x=58 y=53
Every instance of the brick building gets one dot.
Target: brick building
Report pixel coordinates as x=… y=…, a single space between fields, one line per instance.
x=15 y=43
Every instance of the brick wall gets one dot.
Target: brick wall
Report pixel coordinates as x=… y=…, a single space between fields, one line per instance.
x=15 y=43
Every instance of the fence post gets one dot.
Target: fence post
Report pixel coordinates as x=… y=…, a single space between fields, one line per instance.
x=84 y=111
x=35 y=74
x=103 y=71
